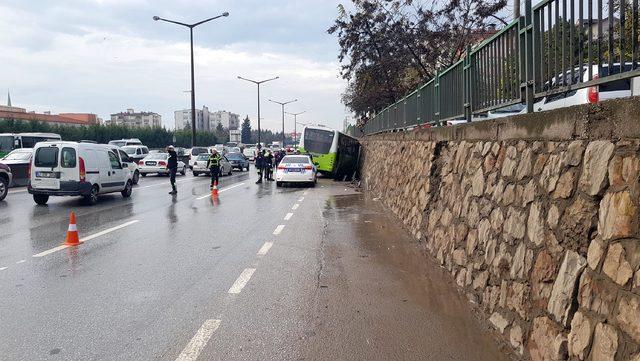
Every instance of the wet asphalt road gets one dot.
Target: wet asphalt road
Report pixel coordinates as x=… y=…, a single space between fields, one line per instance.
x=261 y=273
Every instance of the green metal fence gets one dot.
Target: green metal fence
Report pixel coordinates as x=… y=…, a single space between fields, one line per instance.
x=555 y=48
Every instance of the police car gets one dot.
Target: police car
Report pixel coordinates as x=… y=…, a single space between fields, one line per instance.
x=296 y=169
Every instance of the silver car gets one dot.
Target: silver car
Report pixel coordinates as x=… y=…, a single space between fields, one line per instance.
x=200 y=165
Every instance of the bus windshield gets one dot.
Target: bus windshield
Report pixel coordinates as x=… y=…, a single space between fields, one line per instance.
x=6 y=144
x=318 y=141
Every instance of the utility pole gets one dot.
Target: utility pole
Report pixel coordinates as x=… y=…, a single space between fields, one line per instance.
x=193 y=91
x=283 y=104
x=256 y=82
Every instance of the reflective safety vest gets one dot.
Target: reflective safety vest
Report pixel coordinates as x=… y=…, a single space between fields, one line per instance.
x=214 y=161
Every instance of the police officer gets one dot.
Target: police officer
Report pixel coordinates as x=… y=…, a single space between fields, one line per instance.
x=260 y=165
x=172 y=166
x=269 y=165
x=213 y=164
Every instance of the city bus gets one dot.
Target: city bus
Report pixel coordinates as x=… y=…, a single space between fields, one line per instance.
x=11 y=141
x=335 y=153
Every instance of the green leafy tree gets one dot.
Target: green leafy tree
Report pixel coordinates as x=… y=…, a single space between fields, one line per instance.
x=246 y=131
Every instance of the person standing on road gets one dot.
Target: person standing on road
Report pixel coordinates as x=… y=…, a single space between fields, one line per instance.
x=260 y=165
x=279 y=156
x=269 y=165
x=172 y=166
x=213 y=164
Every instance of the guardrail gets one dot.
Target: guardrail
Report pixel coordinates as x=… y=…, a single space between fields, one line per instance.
x=557 y=47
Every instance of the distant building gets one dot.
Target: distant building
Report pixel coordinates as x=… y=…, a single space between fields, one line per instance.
x=227 y=119
x=183 y=119
x=137 y=120
x=235 y=135
x=72 y=119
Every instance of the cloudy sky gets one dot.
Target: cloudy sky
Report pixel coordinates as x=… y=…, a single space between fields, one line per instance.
x=103 y=56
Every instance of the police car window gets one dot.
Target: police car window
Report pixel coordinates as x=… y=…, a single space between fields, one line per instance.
x=295 y=160
x=113 y=159
x=68 y=158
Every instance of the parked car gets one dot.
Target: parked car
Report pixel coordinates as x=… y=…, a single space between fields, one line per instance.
x=615 y=89
x=233 y=150
x=296 y=169
x=77 y=169
x=238 y=161
x=5 y=180
x=250 y=153
x=136 y=152
x=19 y=161
x=194 y=153
x=200 y=166
x=125 y=142
x=131 y=164
x=157 y=163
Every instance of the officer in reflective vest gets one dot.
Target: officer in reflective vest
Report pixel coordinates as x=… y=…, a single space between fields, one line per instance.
x=213 y=163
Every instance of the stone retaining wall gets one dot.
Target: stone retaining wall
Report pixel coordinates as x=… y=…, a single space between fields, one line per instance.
x=541 y=233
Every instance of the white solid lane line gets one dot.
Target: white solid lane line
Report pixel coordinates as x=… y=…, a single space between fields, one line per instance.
x=295 y=206
x=88 y=238
x=242 y=280
x=3 y=268
x=265 y=248
x=21 y=261
x=278 y=230
x=222 y=190
x=199 y=341
x=288 y=216
x=301 y=199
x=165 y=183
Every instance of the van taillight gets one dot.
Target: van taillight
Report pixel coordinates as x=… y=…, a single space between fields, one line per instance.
x=83 y=171
x=592 y=93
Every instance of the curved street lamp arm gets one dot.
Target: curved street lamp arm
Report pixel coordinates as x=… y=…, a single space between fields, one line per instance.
x=207 y=20
x=156 y=18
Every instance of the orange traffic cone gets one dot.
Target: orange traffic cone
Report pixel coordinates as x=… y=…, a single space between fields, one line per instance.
x=214 y=190
x=72 y=233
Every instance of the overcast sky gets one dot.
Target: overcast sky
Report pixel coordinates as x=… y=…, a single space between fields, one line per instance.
x=103 y=56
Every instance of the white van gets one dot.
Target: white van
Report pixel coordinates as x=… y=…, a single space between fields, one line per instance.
x=125 y=142
x=77 y=169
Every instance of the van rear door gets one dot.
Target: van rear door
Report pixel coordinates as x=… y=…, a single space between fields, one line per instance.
x=69 y=165
x=45 y=173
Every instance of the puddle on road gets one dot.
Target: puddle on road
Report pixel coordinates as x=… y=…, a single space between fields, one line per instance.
x=373 y=244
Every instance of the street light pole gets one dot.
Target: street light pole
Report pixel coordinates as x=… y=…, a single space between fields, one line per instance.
x=256 y=82
x=193 y=90
x=283 y=104
x=295 y=127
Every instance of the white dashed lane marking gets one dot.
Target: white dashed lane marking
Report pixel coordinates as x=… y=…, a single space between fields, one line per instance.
x=242 y=280
x=295 y=206
x=21 y=261
x=88 y=238
x=3 y=268
x=301 y=199
x=265 y=248
x=288 y=216
x=278 y=229
x=199 y=341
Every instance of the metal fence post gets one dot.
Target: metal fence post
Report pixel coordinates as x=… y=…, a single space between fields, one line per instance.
x=525 y=26
x=467 y=69
x=436 y=90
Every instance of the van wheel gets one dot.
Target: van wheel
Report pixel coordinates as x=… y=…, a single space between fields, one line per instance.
x=92 y=198
x=136 y=177
x=126 y=192
x=41 y=199
x=184 y=170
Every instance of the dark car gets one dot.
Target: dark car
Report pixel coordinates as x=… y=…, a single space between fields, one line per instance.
x=5 y=180
x=238 y=161
x=19 y=161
